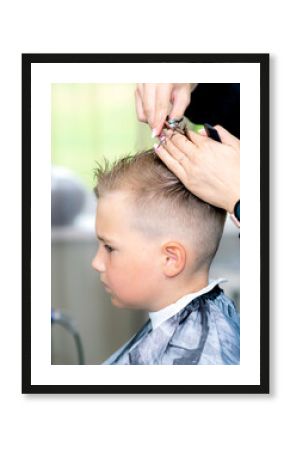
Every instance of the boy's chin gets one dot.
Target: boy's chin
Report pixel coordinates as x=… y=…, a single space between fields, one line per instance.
x=122 y=304
x=116 y=302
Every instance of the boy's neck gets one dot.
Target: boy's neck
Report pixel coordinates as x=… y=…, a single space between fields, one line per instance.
x=198 y=282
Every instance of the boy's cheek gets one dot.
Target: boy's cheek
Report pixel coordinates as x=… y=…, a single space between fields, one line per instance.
x=126 y=291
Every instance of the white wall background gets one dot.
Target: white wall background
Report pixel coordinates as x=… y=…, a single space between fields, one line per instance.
x=136 y=421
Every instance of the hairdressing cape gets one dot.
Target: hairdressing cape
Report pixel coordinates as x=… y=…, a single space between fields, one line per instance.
x=205 y=331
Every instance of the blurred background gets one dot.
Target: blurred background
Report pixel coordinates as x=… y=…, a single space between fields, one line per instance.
x=90 y=122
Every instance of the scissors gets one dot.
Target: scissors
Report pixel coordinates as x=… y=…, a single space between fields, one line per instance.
x=181 y=127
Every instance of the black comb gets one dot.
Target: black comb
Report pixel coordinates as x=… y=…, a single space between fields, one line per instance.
x=212 y=132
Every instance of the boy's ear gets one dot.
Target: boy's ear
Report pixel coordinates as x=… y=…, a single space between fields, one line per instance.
x=173 y=258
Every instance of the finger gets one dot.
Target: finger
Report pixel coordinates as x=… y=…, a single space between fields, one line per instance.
x=139 y=107
x=148 y=101
x=140 y=89
x=171 y=162
x=168 y=132
x=202 y=132
x=180 y=100
x=227 y=137
x=162 y=106
x=196 y=138
x=186 y=146
x=175 y=152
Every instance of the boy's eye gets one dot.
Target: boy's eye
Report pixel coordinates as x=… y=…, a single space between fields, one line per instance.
x=108 y=248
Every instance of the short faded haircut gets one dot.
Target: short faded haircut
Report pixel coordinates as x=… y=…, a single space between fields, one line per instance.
x=162 y=203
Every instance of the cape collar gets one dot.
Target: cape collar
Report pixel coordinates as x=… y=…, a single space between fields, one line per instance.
x=158 y=317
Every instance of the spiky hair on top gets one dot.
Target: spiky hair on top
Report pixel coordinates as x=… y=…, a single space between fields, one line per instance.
x=143 y=171
x=161 y=199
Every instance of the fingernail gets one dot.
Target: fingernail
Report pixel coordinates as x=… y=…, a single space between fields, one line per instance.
x=156 y=147
x=154 y=133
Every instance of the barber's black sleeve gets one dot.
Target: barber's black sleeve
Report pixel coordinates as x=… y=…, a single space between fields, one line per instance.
x=216 y=104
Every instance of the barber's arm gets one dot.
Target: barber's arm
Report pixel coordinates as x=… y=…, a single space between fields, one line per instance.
x=209 y=169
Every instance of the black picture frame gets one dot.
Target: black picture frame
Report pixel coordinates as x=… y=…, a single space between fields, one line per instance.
x=263 y=61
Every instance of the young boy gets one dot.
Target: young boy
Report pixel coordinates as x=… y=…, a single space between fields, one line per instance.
x=157 y=242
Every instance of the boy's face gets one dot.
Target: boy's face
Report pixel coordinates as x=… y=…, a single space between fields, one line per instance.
x=128 y=261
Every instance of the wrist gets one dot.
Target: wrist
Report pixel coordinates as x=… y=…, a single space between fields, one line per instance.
x=193 y=86
x=230 y=208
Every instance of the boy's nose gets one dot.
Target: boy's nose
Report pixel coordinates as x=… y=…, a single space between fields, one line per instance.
x=98 y=264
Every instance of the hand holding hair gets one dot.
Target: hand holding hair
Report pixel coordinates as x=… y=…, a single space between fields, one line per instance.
x=208 y=169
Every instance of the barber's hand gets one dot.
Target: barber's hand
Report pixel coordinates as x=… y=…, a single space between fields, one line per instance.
x=209 y=169
x=154 y=102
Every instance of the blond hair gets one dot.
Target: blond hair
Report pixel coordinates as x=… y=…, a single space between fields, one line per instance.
x=162 y=203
